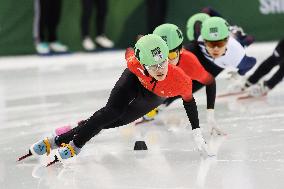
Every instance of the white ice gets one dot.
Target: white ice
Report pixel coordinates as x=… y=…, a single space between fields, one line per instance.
x=39 y=94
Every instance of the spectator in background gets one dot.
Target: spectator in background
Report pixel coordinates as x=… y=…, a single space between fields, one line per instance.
x=101 y=39
x=156 y=13
x=46 y=20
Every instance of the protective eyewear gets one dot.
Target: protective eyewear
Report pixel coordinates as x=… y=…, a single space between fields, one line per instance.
x=155 y=67
x=213 y=44
x=174 y=54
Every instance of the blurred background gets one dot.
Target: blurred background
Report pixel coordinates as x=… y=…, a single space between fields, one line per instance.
x=264 y=19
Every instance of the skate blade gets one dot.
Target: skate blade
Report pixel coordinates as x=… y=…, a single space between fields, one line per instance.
x=205 y=154
x=229 y=94
x=218 y=132
x=247 y=97
x=25 y=156
x=53 y=162
x=142 y=121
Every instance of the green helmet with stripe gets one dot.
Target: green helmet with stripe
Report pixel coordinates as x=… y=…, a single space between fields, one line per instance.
x=215 y=29
x=171 y=34
x=192 y=23
x=151 y=49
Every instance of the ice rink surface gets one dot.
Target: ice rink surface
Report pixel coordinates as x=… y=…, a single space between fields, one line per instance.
x=39 y=94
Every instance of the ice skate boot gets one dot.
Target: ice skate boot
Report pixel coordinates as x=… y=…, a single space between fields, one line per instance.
x=150 y=116
x=65 y=152
x=61 y=130
x=64 y=129
x=258 y=90
x=41 y=147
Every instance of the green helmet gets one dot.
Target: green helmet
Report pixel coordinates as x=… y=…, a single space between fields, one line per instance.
x=151 y=49
x=191 y=23
x=171 y=34
x=215 y=29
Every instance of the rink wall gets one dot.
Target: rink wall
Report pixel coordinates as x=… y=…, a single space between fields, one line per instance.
x=262 y=18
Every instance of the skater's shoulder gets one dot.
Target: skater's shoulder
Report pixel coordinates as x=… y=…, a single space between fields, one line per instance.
x=178 y=74
x=174 y=70
x=186 y=52
x=234 y=45
x=188 y=58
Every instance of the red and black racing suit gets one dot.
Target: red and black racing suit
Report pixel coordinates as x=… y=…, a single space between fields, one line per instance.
x=135 y=94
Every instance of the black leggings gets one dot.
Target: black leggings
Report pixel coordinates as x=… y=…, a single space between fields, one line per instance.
x=128 y=101
x=87 y=9
x=277 y=58
x=47 y=16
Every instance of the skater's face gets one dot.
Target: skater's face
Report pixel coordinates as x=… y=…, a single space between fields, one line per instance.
x=158 y=71
x=174 y=56
x=216 y=48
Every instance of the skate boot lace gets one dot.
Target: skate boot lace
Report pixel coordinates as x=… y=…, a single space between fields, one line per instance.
x=70 y=148
x=46 y=142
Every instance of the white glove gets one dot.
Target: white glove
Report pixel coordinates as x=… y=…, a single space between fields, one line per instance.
x=213 y=126
x=200 y=143
x=237 y=29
